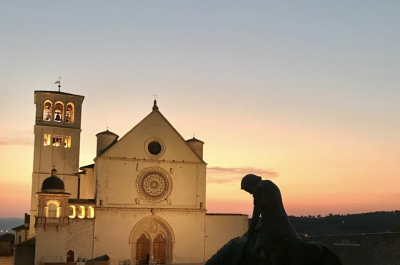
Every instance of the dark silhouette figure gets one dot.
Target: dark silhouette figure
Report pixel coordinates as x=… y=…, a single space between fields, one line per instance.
x=275 y=225
x=275 y=241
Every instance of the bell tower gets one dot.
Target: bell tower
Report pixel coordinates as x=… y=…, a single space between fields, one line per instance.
x=57 y=142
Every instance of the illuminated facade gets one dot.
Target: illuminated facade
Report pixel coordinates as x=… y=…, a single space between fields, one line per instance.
x=142 y=201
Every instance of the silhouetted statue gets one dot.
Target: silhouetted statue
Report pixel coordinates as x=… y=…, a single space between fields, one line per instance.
x=275 y=241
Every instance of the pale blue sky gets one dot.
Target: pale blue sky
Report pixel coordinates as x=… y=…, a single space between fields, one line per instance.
x=241 y=75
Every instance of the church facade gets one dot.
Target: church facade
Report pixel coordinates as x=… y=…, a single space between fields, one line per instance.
x=142 y=201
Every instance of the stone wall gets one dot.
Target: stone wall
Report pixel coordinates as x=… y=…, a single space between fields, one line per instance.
x=221 y=228
x=54 y=241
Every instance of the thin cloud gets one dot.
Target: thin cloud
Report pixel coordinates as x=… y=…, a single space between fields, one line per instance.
x=223 y=175
x=15 y=141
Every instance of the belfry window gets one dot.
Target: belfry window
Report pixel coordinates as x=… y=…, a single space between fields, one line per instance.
x=47 y=110
x=67 y=141
x=69 y=113
x=58 y=111
x=57 y=140
x=46 y=139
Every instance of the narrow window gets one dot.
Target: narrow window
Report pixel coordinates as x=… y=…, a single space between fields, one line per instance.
x=72 y=211
x=58 y=111
x=91 y=212
x=57 y=140
x=46 y=139
x=69 y=113
x=67 y=141
x=47 y=110
x=81 y=212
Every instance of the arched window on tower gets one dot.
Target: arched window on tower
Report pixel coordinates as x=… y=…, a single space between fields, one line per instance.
x=52 y=209
x=69 y=113
x=47 y=108
x=58 y=111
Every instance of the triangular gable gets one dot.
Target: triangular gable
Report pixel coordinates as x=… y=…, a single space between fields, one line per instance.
x=153 y=126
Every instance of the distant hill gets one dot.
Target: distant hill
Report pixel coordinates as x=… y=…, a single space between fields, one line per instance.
x=6 y=224
x=376 y=222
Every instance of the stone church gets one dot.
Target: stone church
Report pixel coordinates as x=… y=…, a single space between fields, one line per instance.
x=142 y=201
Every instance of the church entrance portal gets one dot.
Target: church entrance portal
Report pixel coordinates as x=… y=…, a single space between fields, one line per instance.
x=152 y=241
x=142 y=250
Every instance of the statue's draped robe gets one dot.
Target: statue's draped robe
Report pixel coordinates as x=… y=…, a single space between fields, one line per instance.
x=275 y=225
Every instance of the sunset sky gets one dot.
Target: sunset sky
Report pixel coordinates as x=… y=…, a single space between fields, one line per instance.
x=305 y=93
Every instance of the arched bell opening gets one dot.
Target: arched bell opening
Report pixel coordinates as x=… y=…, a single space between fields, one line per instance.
x=47 y=110
x=69 y=113
x=58 y=111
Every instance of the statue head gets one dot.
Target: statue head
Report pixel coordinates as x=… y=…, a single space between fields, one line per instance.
x=249 y=182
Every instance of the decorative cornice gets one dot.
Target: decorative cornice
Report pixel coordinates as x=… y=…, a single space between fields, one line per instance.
x=149 y=160
x=59 y=127
x=48 y=174
x=147 y=209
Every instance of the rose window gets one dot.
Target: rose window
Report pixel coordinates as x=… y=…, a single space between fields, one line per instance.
x=154 y=184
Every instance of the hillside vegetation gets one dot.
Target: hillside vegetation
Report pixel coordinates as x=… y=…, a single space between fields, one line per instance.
x=376 y=222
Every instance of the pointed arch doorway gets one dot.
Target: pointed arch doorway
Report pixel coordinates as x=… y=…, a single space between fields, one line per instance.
x=153 y=237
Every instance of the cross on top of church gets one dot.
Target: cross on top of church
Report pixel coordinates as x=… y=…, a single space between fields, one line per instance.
x=59 y=83
x=155 y=102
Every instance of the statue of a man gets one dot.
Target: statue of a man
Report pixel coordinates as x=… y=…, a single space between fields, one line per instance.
x=275 y=226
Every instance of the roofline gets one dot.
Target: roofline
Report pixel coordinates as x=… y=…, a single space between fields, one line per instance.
x=226 y=214
x=83 y=201
x=173 y=128
x=194 y=140
x=57 y=92
x=108 y=132
x=20 y=227
x=87 y=166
